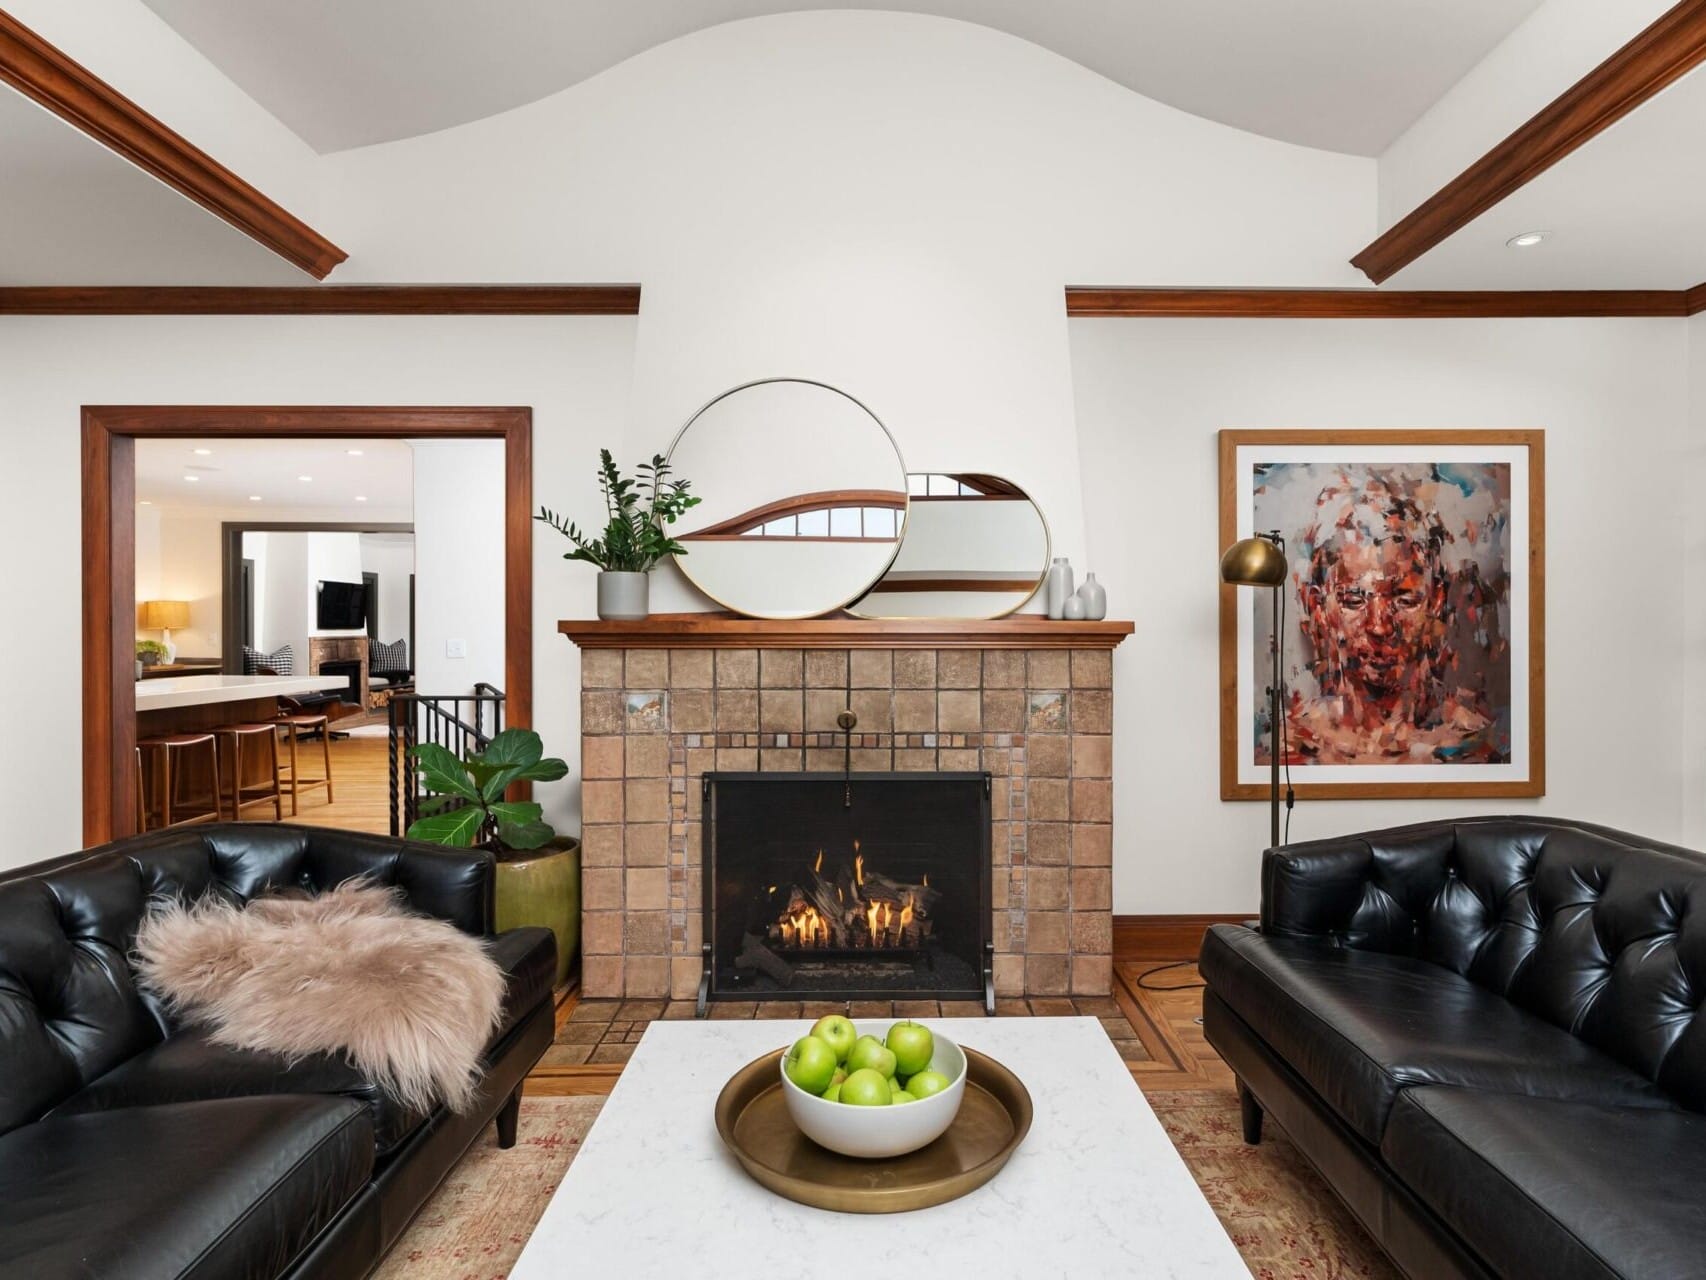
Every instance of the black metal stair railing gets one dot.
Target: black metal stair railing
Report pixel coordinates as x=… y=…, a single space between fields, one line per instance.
x=459 y=723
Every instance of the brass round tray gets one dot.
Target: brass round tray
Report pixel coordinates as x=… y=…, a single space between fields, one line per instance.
x=994 y=1116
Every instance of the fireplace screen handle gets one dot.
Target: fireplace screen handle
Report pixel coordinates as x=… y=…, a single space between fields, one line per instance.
x=846 y=720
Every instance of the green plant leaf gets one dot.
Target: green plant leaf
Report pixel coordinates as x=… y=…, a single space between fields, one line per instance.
x=525 y=836
x=513 y=747
x=436 y=804
x=545 y=771
x=457 y=828
x=519 y=812
x=443 y=772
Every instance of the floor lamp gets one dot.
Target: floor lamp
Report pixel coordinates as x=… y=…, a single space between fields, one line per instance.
x=1260 y=562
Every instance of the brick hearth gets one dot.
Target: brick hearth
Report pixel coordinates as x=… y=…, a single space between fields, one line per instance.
x=654 y=719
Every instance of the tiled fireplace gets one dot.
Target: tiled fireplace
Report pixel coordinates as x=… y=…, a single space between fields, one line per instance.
x=668 y=700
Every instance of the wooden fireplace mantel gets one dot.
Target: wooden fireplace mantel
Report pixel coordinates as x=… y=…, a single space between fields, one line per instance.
x=729 y=631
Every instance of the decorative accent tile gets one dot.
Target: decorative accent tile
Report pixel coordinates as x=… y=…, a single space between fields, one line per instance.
x=646 y=712
x=1048 y=713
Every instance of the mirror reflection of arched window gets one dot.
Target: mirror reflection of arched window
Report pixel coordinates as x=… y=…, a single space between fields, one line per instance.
x=836 y=515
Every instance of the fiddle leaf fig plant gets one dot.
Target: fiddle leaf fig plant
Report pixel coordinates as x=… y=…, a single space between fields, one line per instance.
x=467 y=807
x=634 y=535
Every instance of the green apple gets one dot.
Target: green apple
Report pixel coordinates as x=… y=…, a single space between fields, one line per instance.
x=810 y=1064
x=839 y=1076
x=927 y=1084
x=902 y=1096
x=896 y=1088
x=912 y=1045
x=866 y=1088
x=868 y=1053
x=836 y=1032
x=833 y=1093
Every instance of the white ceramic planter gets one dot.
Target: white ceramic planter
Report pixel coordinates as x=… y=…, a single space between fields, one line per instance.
x=624 y=597
x=875 y=1133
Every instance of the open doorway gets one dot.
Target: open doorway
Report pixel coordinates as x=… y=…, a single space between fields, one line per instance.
x=238 y=631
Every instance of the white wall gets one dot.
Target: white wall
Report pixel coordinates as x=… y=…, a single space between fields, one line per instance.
x=1612 y=398
x=392 y=557
x=283 y=600
x=573 y=371
x=459 y=555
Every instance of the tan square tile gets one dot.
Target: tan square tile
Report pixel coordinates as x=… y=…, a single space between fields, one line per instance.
x=601 y=888
x=781 y=760
x=647 y=888
x=1049 y=669
x=1053 y=1007
x=1009 y=977
x=822 y=706
x=601 y=933
x=959 y=669
x=645 y=976
x=1092 y=757
x=646 y=800
x=872 y=668
x=601 y=711
x=645 y=712
x=601 y=801
x=737 y=759
x=679 y=1008
x=1094 y=975
x=599 y=1011
x=1047 y=975
x=601 y=845
x=1003 y=668
x=915 y=760
x=1093 y=711
x=690 y=711
x=1046 y=800
x=1103 y=1007
x=1092 y=844
x=737 y=669
x=601 y=757
x=646 y=844
x=1017 y=1006
x=781 y=668
x=565 y=1055
x=737 y=711
x=731 y=1010
x=1092 y=800
x=957 y=759
x=917 y=1009
x=646 y=933
x=1092 y=933
x=646 y=669
x=914 y=711
x=875 y=709
x=683 y=988
x=1092 y=669
x=601 y=668
x=826 y=668
x=690 y=668
x=647 y=755
x=872 y=1009
x=824 y=760
x=1092 y=889
x=1048 y=755
x=1048 y=844
x=1003 y=711
x=777 y=1010
x=781 y=710
x=1046 y=889
x=1046 y=932
x=915 y=669
x=873 y=759
x=700 y=760
x=959 y=711
x=612 y=1053
x=601 y=976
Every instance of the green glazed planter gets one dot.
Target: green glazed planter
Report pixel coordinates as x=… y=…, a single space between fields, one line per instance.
x=545 y=890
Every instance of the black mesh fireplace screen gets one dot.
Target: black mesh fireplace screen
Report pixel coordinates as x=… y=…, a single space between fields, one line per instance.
x=838 y=887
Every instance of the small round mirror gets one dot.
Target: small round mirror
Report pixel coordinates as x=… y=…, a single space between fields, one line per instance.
x=976 y=546
x=804 y=499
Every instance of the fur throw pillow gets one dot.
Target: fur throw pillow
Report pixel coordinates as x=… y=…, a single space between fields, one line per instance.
x=409 y=1001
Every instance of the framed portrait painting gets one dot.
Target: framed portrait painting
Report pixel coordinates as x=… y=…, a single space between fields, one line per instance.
x=1411 y=618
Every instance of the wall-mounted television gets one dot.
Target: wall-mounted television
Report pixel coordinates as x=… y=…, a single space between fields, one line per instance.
x=342 y=606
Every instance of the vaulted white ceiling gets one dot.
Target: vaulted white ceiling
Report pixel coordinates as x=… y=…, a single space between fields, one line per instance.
x=1347 y=75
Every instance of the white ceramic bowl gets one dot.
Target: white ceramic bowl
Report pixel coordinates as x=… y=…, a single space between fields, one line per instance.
x=879 y=1132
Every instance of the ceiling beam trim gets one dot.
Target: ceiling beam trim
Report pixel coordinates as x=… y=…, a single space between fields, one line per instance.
x=1373 y=304
x=1662 y=54
x=328 y=300
x=76 y=95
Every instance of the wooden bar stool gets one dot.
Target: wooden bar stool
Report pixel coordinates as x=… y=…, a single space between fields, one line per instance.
x=241 y=736
x=293 y=725
x=164 y=750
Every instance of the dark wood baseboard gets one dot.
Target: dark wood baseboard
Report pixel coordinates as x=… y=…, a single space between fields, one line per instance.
x=1160 y=938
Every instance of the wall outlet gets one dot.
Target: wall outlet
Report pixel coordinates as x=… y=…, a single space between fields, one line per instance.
x=456 y=648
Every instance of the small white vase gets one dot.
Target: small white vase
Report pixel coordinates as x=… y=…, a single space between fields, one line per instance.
x=1073 y=609
x=624 y=597
x=1095 y=598
x=1057 y=587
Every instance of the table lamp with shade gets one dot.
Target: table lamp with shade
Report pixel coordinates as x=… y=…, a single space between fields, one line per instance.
x=1259 y=561
x=165 y=616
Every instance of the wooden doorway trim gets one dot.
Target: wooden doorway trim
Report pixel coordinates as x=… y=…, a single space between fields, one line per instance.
x=110 y=433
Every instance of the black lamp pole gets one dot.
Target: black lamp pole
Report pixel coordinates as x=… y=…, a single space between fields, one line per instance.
x=1259 y=561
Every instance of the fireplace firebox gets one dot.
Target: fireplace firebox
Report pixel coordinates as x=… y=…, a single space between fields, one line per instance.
x=830 y=886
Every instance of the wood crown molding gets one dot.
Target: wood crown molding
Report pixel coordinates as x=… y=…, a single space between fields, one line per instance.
x=1375 y=304
x=75 y=94
x=1662 y=54
x=726 y=631
x=327 y=300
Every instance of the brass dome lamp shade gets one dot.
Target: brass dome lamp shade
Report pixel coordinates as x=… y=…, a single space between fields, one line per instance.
x=1260 y=562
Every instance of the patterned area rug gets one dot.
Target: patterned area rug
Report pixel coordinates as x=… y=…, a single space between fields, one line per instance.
x=1283 y=1219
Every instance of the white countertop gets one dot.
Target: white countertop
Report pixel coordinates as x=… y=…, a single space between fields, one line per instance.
x=195 y=691
x=1095 y=1190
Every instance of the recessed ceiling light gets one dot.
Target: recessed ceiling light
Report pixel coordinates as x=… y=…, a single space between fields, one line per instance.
x=254 y=497
x=145 y=503
x=202 y=453
x=354 y=453
x=361 y=497
x=305 y=479
x=1528 y=239
x=193 y=479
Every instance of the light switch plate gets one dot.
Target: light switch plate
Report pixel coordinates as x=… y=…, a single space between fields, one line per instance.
x=456 y=648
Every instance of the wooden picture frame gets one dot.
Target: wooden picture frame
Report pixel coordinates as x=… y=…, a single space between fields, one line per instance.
x=1496 y=718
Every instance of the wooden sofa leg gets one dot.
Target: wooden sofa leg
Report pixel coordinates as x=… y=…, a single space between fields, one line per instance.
x=1248 y=1107
x=509 y=1115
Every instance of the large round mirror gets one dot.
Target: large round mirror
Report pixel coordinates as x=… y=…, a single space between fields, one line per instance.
x=976 y=546
x=804 y=499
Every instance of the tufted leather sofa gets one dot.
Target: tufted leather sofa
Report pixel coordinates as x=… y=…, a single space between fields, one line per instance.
x=1489 y=1037
x=132 y=1149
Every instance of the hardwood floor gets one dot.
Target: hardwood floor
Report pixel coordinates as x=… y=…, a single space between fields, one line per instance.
x=360 y=776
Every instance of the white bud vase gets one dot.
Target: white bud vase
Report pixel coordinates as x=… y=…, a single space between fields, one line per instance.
x=1057 y=588
x=1095 y=598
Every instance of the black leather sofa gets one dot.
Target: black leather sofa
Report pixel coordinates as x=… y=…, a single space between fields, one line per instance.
x=1487 y=1035
x=131 y=1149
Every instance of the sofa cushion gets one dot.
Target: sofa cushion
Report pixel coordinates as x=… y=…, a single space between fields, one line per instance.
x=190 y=1067
x=222 y=1190
x=1359 y=1026
x=1565 y=1190
x=528 y=958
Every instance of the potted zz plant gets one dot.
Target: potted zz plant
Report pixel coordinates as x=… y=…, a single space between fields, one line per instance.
x=634 y=538
x=538 y=871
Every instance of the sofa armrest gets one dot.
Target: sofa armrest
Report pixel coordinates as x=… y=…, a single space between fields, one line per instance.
x=1316 y=890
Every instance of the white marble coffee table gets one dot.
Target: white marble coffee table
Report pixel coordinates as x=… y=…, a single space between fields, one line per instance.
x=1096 y=1190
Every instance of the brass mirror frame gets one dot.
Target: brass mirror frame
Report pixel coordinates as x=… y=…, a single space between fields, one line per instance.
x=905 y=508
